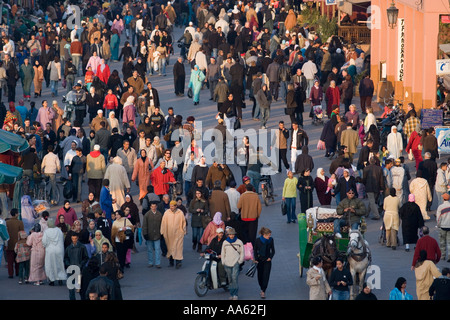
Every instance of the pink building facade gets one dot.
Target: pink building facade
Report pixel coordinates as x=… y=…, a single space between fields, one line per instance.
x=403 y=59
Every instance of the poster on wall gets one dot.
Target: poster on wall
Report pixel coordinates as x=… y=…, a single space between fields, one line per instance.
x=443 y=139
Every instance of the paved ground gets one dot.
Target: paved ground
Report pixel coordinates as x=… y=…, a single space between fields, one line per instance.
x=142 y=283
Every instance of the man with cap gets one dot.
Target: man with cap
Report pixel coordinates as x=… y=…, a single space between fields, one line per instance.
x=351 y=209
x=232 y=256
x=95 y=168
x=443 y=223
x=95 y=123
x=151 y=231
x=173 y=229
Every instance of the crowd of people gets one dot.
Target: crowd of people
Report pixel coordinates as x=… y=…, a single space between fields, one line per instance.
x=257 y=50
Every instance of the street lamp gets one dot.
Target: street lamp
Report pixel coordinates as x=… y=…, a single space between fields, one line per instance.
x=392 y=14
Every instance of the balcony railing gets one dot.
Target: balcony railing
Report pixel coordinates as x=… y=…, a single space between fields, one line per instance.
x=355 y=34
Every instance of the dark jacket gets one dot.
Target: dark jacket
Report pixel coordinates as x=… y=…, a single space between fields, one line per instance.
x=264 y=249
x=337 y=276
x=440 y=288
x=76 y=255
x=196 y=220
x=101 y=284
x=304 y=161
x=302 y=138
x=428 y=169
x=373 y=178
x=151 y=225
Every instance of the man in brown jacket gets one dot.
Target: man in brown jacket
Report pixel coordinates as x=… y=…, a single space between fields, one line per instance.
x=95 y=124
x=219 y=202
x=136 y=82
x=250 y=208
x=217 y=172
x=13 y=225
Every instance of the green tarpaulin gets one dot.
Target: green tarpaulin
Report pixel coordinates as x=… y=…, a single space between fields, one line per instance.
x=11 y=141
x=9 y=174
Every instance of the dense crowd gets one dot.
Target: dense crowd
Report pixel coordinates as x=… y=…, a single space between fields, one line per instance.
x=237 y=50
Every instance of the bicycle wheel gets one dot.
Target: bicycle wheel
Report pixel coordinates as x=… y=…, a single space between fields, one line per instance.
x=265 y=197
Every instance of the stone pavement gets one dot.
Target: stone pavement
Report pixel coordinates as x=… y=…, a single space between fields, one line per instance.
x=142 y=283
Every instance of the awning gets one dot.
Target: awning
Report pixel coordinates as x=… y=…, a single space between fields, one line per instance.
x=10 y=174
x=12 y=141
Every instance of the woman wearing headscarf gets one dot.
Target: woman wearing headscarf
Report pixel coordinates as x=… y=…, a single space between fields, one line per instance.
x=195 y=83
x=93 y=102
x=399 y=291
x=305 y=185
x=74 y=229
x=28 y=213
x=113 y=122
x=211 y=229
x=99 y=240
x=68 y=212
x=87 y=209
x=53 y=242
x=26 y=75
x=103 y=71
x=37 y=259
x=118 y=24
x=373 y=134
x=129 y=110
x=141 y=173
x=329 y=136
x=120 y=240
x=321 y=185
x=412 y=221
x=115 y=43
x=415 y=145
x=422 y=193
x=131 y=212
x=38 y=78
x=344 y=184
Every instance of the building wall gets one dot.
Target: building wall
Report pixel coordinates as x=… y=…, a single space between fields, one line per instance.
x=421 y=47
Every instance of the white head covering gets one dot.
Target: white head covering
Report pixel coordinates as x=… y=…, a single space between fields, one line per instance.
x=319 y=174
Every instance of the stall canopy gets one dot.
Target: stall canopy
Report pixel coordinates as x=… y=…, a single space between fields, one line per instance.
x=9 y=174
x=11 y=141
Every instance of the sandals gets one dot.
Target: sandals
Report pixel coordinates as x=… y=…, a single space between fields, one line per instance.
x=263 y=295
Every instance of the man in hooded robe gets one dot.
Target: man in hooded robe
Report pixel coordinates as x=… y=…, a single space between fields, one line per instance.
x=118 y=178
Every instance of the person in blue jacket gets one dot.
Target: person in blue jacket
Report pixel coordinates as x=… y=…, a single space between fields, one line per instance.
x=196 y=82
x=399 y=292
x=106 y=200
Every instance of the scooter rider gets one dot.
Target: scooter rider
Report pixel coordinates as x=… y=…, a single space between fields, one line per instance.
x=216 y=246
x=77 y=97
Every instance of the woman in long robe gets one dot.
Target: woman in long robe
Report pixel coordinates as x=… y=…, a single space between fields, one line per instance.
x=321 y=185
x=115 y=43
x=305 y=185
x=142 y=173
x=37 y=259
x=53 y=242
x=195 y=83
x=28 y=213
x=38 y=78
x=118 y=181
x=412 y=220
x=329 y=136
x=395 y=143
x=422 y=193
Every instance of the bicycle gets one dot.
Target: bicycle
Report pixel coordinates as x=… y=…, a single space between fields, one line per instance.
x=44 y=191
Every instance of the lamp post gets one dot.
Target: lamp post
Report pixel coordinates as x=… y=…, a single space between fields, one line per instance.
x=392 y=15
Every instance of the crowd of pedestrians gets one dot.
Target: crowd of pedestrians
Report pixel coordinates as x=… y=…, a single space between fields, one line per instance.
x=246 y=53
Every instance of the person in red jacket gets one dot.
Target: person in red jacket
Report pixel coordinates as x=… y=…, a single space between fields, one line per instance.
x=103 y=71
x=111 y=103
x=429 y=244
x=89 y=77
x=160 y=178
